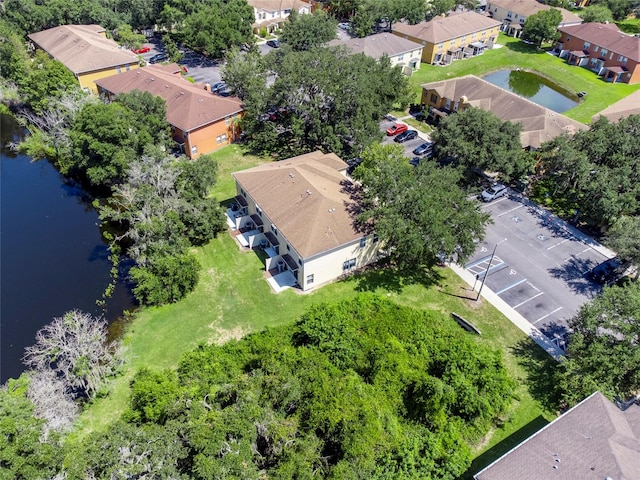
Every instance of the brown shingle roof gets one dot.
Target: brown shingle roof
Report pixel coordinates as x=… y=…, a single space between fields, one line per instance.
x=305 y=198
x=188 y=106
x=606 y=35
x=539 y=124
x=377 y=45
x=629 y=105
x=527 y=8
x=441 y=29
x=82 y=49
x=593 y=441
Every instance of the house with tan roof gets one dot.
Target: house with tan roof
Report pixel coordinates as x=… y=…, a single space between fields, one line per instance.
x=513 y=14
x=86 y=51
x=201 y=122
x=625 y=107
x=457 y=36
x=595 y=440
x=402 y=52
x=271 y=14
x=539 y=124
x=602 y=48
x=299 y=211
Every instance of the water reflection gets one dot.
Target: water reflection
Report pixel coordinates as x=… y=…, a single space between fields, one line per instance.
x=534 y=87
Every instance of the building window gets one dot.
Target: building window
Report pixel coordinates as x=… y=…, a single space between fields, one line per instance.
x=596 y=48
x=259 y=210
x=434 y=98
x=288 y=248
x=452 y=42
x=509 y=15
x=300 y=261
x=604 y=52
x=218 y=139
x=464 y=38
x=473 y=37
x=227 y=120
x=274 y=229
x=194 y=150
x=118 y=70
x=624 y=60
x=440 y=45
x=309 y=279
x=127 y=68
x=586 y=46
x=400 y=57
x=224 y=137
x=363 y=242
x=568 y=37
x=349 y=264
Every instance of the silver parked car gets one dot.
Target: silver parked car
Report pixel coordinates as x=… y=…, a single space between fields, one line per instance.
x=495 y=191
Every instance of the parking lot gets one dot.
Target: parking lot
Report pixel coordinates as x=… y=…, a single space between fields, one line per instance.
x=536 y=263
x=409 y=145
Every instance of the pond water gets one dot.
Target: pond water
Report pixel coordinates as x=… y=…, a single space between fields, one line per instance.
x=533 y=87
x=52 y=255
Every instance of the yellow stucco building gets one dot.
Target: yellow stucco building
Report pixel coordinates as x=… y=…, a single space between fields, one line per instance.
x=455 y=37
x=86 y=52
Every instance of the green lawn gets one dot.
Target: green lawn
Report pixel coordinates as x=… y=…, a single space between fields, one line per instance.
x=515 y=54
x=233 y=299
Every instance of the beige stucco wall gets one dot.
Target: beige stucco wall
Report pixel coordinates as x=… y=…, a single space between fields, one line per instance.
x=407 y=58
x=326 y=267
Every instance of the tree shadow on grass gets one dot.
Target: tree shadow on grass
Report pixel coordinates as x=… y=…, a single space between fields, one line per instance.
x=541 y=369
x=522 y=47
x=387 y=276
x=504 y=446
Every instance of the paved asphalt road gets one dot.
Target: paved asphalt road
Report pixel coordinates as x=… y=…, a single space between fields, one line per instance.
x=539 y=267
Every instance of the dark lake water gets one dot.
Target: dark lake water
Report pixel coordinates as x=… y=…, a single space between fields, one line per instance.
x=534 y=87
x=52 y=255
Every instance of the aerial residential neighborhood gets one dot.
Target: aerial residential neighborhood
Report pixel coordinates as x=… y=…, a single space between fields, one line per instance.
x=320 y=239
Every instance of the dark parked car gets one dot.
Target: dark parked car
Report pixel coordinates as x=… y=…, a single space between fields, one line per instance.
x=159 y=57
x=274 y=43
x=424 y=149
x=408 y=135
x=608 y=271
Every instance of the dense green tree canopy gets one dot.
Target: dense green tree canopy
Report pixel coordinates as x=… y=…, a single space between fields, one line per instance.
x=215 y=26
x=476 y=138
x=542 y=26
x=596 y=171
x=596 y=13
x=361 y=389
x=106 y=138
x=624 y=238
x=304 y=32
x=420 y=214
x=603 y=352
x=323 y=99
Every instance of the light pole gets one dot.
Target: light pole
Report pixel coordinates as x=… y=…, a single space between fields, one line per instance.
x=486 y=273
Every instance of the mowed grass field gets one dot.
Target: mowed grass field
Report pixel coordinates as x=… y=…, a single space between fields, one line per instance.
x=513 y=54
x=233 y=299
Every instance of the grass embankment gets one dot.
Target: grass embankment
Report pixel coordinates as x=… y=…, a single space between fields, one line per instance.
x=516 y=54
x=233 y=299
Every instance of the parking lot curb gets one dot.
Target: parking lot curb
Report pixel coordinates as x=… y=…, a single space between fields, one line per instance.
x=518 y=320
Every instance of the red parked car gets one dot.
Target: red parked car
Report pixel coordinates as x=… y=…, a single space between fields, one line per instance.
x=141 y=50
x=396 y=129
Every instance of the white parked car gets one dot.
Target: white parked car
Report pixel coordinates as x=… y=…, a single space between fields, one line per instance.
x=496 y=191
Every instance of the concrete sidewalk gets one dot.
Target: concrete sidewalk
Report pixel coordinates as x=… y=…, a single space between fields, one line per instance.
x=518 y=320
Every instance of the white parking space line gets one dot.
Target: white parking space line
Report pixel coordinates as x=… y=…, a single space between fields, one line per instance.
x=509 y=211
x=545 y=316
x=528 y=300
x=511 y=286
x=585 y=250
x=559 y=243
